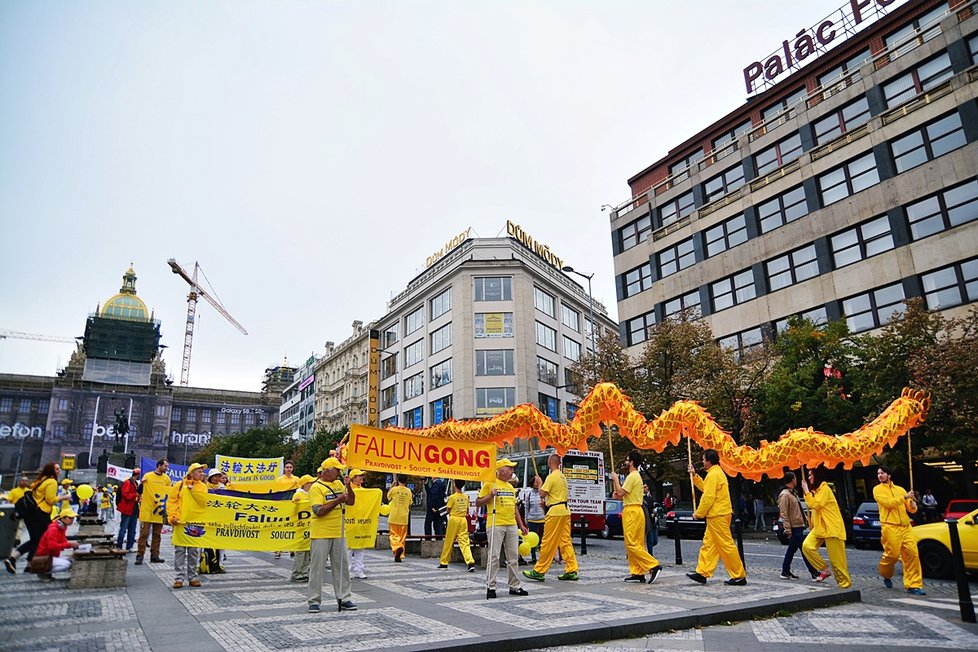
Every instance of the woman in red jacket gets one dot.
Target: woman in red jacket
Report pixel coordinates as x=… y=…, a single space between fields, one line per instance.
x=55 y=540
x=128 y=506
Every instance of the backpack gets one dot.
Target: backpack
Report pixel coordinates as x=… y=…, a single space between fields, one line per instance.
x=26 y=506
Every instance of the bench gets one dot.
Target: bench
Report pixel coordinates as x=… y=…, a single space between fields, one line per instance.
x=103 y=567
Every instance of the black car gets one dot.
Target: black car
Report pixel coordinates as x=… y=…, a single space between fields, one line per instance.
x=866 y=526
x=689 y=527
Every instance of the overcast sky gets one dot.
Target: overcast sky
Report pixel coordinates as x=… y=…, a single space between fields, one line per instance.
x=311 y=155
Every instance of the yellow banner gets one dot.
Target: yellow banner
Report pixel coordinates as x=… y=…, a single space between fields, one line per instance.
x=361 y=519
x=232 y=523
x=393 y=452
x=248 y=470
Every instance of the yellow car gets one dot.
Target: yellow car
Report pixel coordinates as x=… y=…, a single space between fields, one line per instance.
x=934 y=545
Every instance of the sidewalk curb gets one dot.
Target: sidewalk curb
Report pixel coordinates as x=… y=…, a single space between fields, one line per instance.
x=641 y=627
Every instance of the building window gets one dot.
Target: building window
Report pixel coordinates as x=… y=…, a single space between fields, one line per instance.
x=441 y=304
x=679 y=171
x=928 y=142
x=413 y=386
x=791 y=268
x=778 y=154
x=733 y=290
x=916 y=33
x=850 y=65
x=731 y=136
x=874 y=308
x=235 y=418
x=783 y=105
x=572 y=349
x=414 y=320
x=176 y=414
x=494 y=288
x=636 y=280
x=6 y=404
x=725 y=235
x=818 y=316
x=413 y=353
x=413 y=419
x=744 y=341
x=494 y=362
x=726 y=181
x=676 y=258
x=62 y=404
x=441 y=374
x=388 y=366
x=191 y=415
x=25 y=405
x=946 y=210
x=390 y=336
x=637 y=329
x=919 y=80
x=160 y=410
x=546 y=371
x=549 y=406
x=388 y=397
x=493 y=324
x=951 y=286
x=205 y=416
x=862 y=241
x=848 y=179
x=546 y=337
x=544 y=302
x=840 y=121
x=221 y=418
x=441 y=339
x=635 y=232
x=42 y=407
x=494 y=400
x=778 y=211
x=676 y=209
x=688 y=301
x=249 y=419
x=571 y=411
x=973 y=48
x=441 y=410
x=570 y=318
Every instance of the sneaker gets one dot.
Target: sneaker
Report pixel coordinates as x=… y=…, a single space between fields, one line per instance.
x=490 y=593
x=139 y=560
x=471 y=568
x=11 y=565
x=177 y=584
x=824 y=575
x=347 y=605
x=916 y=591
x=313 y=609
x=572 y=576
x=736 y=581
x=654 y=573
x=636 y=578
x=521 y=562
x=156 y=560
x=696 y=577
x=519 y=591
x=442 y=565
x=533 y=575
x=195 y=583
x=359 y=576
x=789 y=576
x=888 y=583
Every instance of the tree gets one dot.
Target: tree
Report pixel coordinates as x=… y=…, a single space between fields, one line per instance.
x=309 y=454
x=265 y=441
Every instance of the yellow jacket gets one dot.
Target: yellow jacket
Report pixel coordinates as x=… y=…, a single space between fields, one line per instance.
x=188 y=499
x=826 y=517
x=16 y=494
x=716 y=494
x=894 y=508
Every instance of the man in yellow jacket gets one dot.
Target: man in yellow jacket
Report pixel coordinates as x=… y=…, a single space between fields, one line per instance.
x=556 y=526
x=896 y=504
x=189 y=495
x=640 y=561
x=715 y=507
x=400 y=498
x=458 y=528
x=155 y=491
x=827 y=528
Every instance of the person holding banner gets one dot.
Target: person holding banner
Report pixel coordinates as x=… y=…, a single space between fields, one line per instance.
x=400 y=498
x=640 y=561
x=128 y=506
x=155 y=490
x=356 y=555
x=503 y=522
x=210 y=558
x=896 y=504
x=557 y=527
x=186 y=492
x=716 y=508
x=458 y=528
x=286 y=482
x=327 y=496
x=300 y=567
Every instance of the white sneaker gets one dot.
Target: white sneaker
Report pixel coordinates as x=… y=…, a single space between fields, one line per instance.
x=361 y=576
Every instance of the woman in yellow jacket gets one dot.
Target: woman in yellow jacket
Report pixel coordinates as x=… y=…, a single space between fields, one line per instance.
x=188 y=494
x=715 y=507
x=45 y=492
x=896 y=504
x=827 y=528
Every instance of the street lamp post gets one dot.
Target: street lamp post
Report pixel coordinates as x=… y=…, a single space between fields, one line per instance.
x=590 y=295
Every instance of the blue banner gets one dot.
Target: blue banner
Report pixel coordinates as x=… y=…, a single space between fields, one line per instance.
x=175 y=472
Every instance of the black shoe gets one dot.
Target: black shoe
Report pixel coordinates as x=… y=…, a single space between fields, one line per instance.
x=346 y=605
x=156 y=560
x=521 y=562
x=490 y=593
x=139 y=560
x=696 y=577
x=471 y=568
x=636 y=578
x=11 y=565
x=398 y=554
x=519 y=591
x=654 y=573
x=736 y=581
x=442 y=565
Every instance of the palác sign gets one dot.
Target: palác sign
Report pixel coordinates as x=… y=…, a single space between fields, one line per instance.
x=846 y=20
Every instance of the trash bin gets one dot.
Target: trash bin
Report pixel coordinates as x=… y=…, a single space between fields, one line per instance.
x=8 y=529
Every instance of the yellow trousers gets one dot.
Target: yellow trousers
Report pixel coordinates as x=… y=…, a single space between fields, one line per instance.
x=837 y=557
x=398 y=534
x=899 y=544
x=457 y=530
x=556 y=536
x=719 y=544
x=633 y=529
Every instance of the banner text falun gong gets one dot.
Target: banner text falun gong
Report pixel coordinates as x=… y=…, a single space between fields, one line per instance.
x=394 y=452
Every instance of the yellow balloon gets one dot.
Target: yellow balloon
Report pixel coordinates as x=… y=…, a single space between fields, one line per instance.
x=531 y=538
x=525 y=549
x=385 y=510
x=84 y=491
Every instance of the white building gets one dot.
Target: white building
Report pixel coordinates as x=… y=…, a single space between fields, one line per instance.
x=342 y=381
x=298 y=402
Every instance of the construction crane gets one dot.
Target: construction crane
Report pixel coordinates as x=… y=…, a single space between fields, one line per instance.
x=18 y=335
x=197 y=292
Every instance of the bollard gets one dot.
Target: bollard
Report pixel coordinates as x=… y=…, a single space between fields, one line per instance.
x=677 y=537
x=957 y=557
x=739 y=528
x=583 y=535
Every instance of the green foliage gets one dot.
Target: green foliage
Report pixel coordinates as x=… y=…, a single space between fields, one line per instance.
x=308 y=455
x=266 y=441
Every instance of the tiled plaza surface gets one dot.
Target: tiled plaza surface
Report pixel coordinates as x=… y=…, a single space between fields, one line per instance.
x=414 y=606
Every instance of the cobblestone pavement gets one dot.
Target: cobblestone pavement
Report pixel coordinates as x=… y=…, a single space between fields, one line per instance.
x=412 y=605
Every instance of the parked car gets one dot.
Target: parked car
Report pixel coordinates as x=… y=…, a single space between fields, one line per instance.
x=934 y=545
x=612 y=519
x=959 y=508
x=593 y=524
x=866 y=526
x=689 y=527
